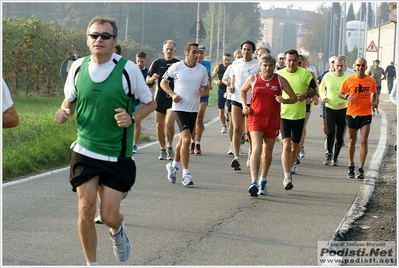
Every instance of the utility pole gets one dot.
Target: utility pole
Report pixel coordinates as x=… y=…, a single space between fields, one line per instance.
x=218 y=38
x=197 y=35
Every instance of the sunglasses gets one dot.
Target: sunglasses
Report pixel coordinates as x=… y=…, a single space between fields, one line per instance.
x=299 y=62
x=361 y=65
x=104 y=36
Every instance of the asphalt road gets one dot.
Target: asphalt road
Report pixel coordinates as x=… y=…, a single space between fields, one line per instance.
x=215 y=222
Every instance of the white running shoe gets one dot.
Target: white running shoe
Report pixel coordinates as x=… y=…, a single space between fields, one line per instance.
x=302 y=154
x=121 y=244
x=224 y=129
x=231 y=151
x=171 y=172
x=187 y=180
x=287 y=183
x=294 y=169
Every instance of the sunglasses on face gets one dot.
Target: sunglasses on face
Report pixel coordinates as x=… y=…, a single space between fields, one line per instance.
x=361 y=65
x=104 y=36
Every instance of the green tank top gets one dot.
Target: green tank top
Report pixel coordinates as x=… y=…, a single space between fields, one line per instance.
x=96 y=103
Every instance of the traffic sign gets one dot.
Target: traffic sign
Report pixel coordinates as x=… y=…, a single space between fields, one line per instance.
x=372 y=47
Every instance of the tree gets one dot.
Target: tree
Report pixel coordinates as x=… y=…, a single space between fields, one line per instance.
x=351 y=13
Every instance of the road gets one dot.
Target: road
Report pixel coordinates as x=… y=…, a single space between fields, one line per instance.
x=215 y=222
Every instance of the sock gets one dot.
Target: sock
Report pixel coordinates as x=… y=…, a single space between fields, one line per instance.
x=262 y=179
x=114 y=233
x=287 y=175
x=197 y=142
x=192 y=141
x=94 y=263
x=175 y=164
x=236 y=157
x=186 y=171
x=231 y=143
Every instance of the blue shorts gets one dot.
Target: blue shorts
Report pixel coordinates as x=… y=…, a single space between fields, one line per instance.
x=204 y=99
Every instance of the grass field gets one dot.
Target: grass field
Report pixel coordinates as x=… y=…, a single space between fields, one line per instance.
x=39 y=144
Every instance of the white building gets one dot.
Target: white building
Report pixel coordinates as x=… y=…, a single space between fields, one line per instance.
x=355 y=35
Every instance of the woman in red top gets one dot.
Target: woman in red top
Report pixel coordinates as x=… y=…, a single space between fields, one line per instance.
x=264 y=117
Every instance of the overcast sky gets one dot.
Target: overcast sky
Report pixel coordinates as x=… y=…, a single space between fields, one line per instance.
x=306 y=5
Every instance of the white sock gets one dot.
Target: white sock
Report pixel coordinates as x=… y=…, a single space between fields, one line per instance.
x=197 y=142
x=186 y=171
x=175 y=164
x=92 y=263
x=287 y=175
x=112 y=230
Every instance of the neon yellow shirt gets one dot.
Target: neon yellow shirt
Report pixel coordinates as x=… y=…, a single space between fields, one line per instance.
x=329 y=88
x=299 y=82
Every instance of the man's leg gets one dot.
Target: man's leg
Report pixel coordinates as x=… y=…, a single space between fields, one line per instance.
x=267 y=156
x=237 y=119
x=184 y=144
x=160 y=128
x=364 y=135
x=87 y=194
x=199 y=125
x=286 y=155
x=137 y=131
x=257 y=139
x=170 y=127
x=352 y=143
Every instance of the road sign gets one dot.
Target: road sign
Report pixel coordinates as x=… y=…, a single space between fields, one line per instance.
x=66 y=64
x=372 y=47
x=202 y=32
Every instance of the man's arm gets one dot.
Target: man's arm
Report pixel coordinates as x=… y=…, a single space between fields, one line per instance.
x=10 y=118
x=65 y=112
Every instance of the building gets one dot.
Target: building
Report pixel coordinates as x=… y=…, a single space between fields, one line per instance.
x=275 y=21
x=355 y=35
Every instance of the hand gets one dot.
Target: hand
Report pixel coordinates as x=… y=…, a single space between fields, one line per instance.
x=122 y=118
x=62 y=115
x=246 y=110
x=279 y=99
x=301 y=97
x=230 y=88
x=177 y=98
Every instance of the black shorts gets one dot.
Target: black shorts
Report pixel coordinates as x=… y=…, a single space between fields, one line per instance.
x=228 y=104
x=236 y=103
x=358 y=122
x=221 y=98
x=164 y=102
x=185 y=120
x=292 y=129
x=119 y=175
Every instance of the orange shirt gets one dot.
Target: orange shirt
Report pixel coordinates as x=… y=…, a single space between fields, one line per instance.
x=361 y=89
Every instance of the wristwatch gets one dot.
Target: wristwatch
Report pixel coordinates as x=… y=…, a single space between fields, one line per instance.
x=133 y=119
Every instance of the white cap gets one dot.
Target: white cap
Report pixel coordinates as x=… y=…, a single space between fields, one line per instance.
x=281 y=55
x=332 y=58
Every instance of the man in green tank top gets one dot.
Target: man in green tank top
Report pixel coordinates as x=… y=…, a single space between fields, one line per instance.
x=102 y=88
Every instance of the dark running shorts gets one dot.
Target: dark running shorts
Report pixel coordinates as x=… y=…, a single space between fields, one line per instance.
x=292 y=129
x=119 y=175
x=185 y=120
x=358 y=122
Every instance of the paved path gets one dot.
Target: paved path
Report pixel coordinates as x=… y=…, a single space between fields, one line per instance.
x=215 y=222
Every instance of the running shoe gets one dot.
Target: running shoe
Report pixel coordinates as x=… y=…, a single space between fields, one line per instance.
x=197 y=149
x=224 y=129
x=243 y=138
x=192 y=147
x=351 y=171
x=253 y=189
x=135 y=149
x=162 y=154
x=302 y=154
x=263 y=189
x=98 y=219
x=187 y=180
x=294 y=169
x=335 y=162
x=169 y=153
x=360 y=174
x=171 y=172
x=249 y=159
x=235 y=164
x=287 y=183
x=231 y=151
x=121 y=244
x=327 y=160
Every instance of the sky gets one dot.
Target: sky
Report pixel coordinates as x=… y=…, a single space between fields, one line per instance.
x=305 y=5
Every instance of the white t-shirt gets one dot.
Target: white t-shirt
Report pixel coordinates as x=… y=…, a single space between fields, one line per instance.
x=242 y=70
x=187 y=80
x=99 y=72
x=227 y=76
x=6 y=97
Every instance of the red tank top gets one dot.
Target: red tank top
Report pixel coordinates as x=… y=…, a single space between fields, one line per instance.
x=263 y=100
